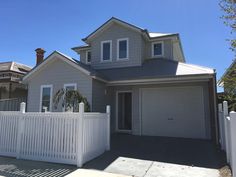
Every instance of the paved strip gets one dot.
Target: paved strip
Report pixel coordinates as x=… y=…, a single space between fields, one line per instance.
x=93 y=173
x=146 y=168
x=11 y=167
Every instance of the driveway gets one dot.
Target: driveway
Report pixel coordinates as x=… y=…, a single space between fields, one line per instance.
x=160 y=157
x=138 y=156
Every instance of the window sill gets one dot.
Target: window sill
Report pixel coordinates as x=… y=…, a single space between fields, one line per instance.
x=106 y=61
x=122 y=59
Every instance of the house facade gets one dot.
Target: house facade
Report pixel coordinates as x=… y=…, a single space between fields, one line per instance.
x=11 y=74
x=143 y=76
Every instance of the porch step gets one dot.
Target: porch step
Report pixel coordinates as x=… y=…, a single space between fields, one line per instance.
x=93 y=173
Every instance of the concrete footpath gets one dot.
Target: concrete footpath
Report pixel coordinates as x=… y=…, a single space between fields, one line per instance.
x=93 y=173
x=11 y=167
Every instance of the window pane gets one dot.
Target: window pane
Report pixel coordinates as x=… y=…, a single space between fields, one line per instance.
x=157 y=49
x=89 y=57
x=72 y=87
x=123 y=49
x=46 y=95
x=106 y=51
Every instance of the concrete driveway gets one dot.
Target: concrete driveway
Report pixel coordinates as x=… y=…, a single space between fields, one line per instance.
x=133 y=156
x=160 y=157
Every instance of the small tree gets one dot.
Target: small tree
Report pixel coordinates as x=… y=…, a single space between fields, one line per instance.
x=229 y=18
x=70 y=99
x=229 y=81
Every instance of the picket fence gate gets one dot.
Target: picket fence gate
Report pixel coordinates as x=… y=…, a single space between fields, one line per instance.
x=69 y=138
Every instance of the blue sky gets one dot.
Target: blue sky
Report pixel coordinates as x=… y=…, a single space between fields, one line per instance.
x=61 y=24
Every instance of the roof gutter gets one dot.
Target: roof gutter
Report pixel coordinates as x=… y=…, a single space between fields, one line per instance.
x=195 y=78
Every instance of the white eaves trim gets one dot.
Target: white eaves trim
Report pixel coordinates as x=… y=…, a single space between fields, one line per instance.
x=185 y=69
x=159 y=34
x=58 y=55
x=193 y=78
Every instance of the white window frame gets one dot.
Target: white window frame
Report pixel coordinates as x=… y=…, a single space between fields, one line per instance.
x=118 y=48
x=102 y=42
x=162 y=49
x=41 y=94
x=87 y=57
x=68 y=85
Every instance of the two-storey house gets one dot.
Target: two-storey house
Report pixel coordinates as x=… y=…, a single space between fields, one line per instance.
x=142 y=75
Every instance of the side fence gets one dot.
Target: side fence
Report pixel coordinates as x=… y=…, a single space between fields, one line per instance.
x=227 y=127
x=11 y=104
x=70 y=138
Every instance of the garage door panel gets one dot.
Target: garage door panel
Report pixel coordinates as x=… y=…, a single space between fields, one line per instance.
x=173 y=112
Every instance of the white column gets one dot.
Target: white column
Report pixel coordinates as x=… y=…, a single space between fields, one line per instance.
x=80 y=139
x=22 y=107
x=108 y=111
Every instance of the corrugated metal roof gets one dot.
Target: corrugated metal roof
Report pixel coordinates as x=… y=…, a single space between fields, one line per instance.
x=13 y=66
x=150 y=69
x=154 y=68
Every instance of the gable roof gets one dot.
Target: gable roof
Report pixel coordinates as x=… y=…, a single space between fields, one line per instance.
x=110 y=21
x=143 y=31
x=15 y=67
x=73 y=62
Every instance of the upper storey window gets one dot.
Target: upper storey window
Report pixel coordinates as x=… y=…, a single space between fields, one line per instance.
x=106 y=50
x=88 y=57
x=122 y=49
x=157 y=49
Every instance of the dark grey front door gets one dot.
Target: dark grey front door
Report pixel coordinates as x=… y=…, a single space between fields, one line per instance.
x=124 y=116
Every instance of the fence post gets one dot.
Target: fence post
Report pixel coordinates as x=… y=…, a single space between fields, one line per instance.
x=226 y=130
x=22 y=107
x=20 y=129
x=108 y=111
x=225 y=108
x=226 y=113
x=80 y=140
x=233 y=141
x=221 y=126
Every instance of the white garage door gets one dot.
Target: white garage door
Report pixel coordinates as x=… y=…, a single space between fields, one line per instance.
x=173 y=112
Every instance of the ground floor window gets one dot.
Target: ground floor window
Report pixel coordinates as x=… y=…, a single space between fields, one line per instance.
x=46 y=98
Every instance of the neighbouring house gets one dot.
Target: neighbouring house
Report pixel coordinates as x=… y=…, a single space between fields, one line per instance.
x=143 y=76
x=228 y=82
x=11 y=74
x=229 y=73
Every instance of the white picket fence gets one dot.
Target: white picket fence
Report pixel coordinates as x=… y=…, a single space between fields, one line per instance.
x=69 y=138
x=227 y=127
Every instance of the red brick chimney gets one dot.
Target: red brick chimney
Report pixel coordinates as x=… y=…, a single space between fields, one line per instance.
x=39 y=55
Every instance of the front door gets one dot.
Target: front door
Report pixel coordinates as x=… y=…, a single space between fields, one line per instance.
x=124 y=111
